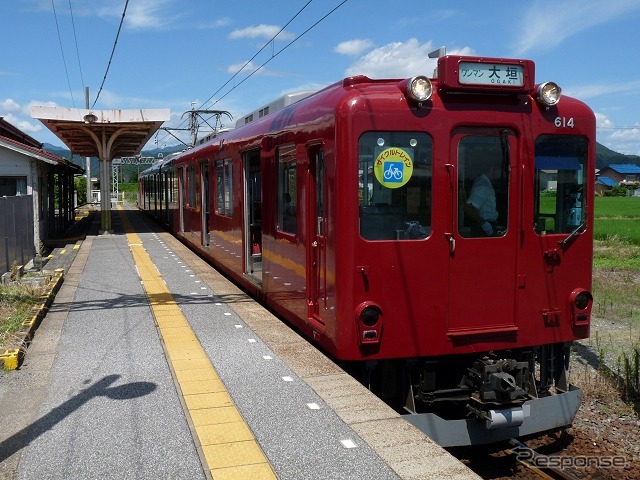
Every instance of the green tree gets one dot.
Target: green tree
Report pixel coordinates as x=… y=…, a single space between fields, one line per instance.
x=81 y=189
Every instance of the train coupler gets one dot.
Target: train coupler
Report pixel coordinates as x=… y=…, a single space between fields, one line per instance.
x=500 y=418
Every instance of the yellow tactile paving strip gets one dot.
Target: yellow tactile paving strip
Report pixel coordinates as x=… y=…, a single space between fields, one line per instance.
x=228 y=446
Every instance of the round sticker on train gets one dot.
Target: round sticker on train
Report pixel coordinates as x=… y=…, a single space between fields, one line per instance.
x=393 y=167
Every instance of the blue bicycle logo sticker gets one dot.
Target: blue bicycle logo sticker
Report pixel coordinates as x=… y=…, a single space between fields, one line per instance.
x=393 y=171
x=393 y=167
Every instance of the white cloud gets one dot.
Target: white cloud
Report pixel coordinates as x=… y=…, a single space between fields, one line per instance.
x=260 y=31
x=353 y=47
x=24 y=125
x=213 y=24
x=144 y=14
x=8 y=105
x=624 y=140
x=140 y=15
x=538 y=30
x=400 y=60
x=602 y=121
x=249 y=69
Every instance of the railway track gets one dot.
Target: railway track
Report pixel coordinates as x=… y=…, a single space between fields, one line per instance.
x=541 y=465
x=515 y=461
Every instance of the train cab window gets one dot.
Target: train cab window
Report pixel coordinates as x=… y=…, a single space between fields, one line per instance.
x=224 y=204
x=395 y=185
x=483 y=186
x=560 y=178
x=287 y=190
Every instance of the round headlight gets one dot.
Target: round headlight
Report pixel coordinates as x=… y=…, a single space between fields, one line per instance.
x=420 y=88
x=549 y=93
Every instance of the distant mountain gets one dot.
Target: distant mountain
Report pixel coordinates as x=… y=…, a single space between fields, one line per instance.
x=605 y=156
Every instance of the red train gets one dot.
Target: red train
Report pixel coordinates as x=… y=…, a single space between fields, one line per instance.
x=432 y=234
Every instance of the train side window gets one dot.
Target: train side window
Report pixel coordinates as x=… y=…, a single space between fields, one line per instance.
x=224 y=204
x=394 y=177
x=560 y=178
x=483 y=186
x=287 y=190
x=191 y=186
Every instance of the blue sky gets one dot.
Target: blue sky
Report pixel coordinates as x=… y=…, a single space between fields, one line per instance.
x=176 y=53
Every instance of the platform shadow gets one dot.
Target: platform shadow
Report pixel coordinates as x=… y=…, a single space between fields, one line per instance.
x=101 y=388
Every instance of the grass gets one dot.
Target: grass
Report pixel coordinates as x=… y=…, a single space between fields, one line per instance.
x=16 y=301
x=130 y=191
x=617 y=207
x=615 y=332
x=616 y=220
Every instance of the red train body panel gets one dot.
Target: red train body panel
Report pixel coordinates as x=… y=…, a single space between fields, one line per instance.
x=349 y=214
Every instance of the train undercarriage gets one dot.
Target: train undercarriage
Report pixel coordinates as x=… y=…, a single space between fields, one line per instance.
x=480 y=399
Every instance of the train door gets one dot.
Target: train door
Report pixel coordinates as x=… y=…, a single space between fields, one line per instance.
x=165 y=186
x=316 y=224
x=204 y=189
x=160 y=196
x=483 y=245
x=252 y=216
x=181 y=193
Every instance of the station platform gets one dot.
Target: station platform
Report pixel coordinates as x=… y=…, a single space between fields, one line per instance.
x=150 y=364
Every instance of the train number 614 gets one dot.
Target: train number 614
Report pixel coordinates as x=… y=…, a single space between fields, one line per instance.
x=564 y=122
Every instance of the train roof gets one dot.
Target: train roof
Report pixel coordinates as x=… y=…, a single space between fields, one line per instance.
x=279 y=104
x=161 y=165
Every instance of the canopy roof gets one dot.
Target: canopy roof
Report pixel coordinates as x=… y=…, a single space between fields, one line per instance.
x=105 y=134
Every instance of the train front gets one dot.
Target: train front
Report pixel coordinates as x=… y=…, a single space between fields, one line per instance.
x=469 y=276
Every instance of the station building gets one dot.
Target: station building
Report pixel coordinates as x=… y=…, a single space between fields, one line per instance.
x=37 y=194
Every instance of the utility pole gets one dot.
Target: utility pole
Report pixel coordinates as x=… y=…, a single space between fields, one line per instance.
x=89 y=183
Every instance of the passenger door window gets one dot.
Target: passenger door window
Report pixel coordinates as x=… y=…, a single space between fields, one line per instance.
x=224 y=204
x=287 y=190
x=483 y=186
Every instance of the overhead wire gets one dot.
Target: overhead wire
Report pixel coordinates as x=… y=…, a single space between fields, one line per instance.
x=104 y=79
x=75 y=37
x=257 y=53
x=64 y=61
x=274 y=55
x=270 y=42
x=248 y=62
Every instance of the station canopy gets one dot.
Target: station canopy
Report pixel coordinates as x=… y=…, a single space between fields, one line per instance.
x=106 y=134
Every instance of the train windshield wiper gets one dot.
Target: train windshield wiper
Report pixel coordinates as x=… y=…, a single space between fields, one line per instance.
x=565 y=242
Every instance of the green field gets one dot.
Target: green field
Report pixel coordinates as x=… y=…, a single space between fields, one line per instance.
x=617 y=217
x=617 y=233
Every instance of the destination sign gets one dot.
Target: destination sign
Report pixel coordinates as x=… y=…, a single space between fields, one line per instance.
x=497 y=74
